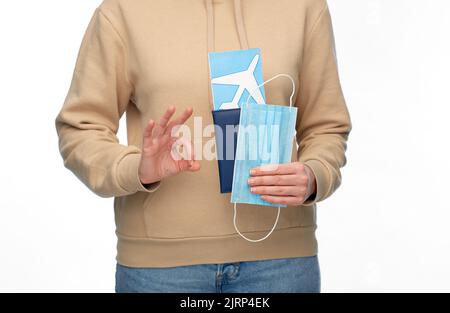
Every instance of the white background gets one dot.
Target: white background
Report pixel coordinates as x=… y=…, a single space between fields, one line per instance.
x=385 y=229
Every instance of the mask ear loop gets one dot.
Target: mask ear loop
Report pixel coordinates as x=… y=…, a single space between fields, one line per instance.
x=272 y=78
x=279 y=208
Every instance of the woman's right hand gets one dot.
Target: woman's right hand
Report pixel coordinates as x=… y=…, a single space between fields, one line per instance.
x=158 y=160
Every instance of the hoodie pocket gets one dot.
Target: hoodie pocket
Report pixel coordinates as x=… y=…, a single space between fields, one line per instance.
x=130 y=214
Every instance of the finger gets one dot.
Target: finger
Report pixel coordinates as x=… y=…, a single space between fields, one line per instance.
x=188 y=165
x=276 y=169
x=192 y=155
x=149 y=128
x=186 y=160
x=164 y=120
x=147 y=145
x=166 y=140
x=283 y=200
x=279 y=190
x=179 y=121
x=183 y=165
x=194 y=166
x=275 y=180
x=186 y=149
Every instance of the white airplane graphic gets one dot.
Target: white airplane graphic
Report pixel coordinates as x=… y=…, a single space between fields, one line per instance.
x=246 y=81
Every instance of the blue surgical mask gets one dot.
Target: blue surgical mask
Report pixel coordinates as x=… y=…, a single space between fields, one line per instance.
x=266 y=134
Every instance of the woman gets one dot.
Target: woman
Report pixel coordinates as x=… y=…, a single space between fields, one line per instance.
x=175 y=233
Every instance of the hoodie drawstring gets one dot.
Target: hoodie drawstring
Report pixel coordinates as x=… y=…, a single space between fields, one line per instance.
x=240 y=26
x=210 y=25
x=239 y=20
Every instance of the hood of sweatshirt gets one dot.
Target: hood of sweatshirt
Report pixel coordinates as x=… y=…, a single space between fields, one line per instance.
x=239 y=22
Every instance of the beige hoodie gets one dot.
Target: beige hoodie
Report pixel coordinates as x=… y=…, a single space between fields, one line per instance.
x=138 y=57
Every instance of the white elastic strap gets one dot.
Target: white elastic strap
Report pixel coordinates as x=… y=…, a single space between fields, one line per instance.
x=272 y=78
x=255 y=240
x=279 y=208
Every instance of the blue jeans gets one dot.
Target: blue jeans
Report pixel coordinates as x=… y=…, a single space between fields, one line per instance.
x=300 y=275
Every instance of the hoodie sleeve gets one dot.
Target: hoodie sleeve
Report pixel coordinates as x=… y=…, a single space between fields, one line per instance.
x=89 y=119
x=323 y=123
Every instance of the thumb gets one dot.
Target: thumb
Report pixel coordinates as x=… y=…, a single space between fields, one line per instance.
x=182 y=152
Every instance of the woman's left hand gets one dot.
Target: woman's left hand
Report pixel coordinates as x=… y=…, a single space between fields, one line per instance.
x=290 y=183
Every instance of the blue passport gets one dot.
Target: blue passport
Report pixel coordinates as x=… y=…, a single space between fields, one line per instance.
x=226 y=139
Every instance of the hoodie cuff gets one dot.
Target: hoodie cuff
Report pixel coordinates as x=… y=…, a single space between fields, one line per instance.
x=128 y=175
x=320 y=172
